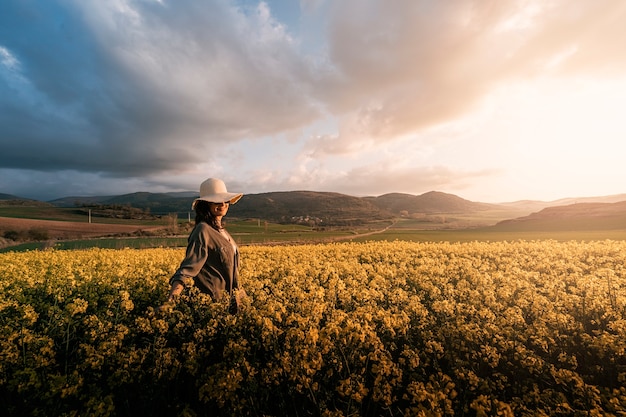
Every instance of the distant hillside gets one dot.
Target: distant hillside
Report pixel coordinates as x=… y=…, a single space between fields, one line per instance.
x=288 y=207
x=327 y=208
x=336 y=208
x=75 y=201
x=581 y=216
x=155 y=203
x=13 y=200
x=309 y=207
x=534 y=205
x=433 y=202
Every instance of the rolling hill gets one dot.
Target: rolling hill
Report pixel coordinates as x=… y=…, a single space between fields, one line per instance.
x=535 y=205
x=328 y=208
x=299 y=206
x=578 y=216
x=433 y=202
x=156 y=203
x=309 y=207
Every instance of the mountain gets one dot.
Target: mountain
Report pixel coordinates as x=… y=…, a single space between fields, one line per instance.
x=328 y=208
x=13 y=200
x=433 y=202
x=156 y=203
x=73 y=201
x=296 y=206
x=10 y=197
x=579 y=216
x=534 y=205
x=309 y=206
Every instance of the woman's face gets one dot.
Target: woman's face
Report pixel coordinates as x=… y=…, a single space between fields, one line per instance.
x=218 y=209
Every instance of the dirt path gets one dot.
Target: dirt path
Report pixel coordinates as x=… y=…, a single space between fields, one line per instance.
x=374 y=232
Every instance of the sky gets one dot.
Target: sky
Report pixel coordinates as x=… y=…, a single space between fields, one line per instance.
x=490 y=100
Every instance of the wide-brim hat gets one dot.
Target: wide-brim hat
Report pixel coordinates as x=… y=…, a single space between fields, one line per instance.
x=214 y=190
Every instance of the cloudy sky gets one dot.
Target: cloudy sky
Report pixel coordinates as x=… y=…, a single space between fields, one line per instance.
x=491 y=100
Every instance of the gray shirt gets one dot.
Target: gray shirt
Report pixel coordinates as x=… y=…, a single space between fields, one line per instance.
x=211 y=262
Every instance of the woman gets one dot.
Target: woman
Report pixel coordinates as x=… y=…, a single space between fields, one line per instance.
x=212 y=258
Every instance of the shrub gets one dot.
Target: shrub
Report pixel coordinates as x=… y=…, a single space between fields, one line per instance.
x=12 y=235
x=38 y=234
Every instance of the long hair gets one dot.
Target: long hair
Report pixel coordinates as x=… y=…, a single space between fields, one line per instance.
x=203 y=214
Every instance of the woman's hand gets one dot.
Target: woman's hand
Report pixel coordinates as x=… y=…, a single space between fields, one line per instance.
x=177 y=288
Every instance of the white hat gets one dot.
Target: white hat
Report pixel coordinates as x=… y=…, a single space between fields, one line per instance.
x=213 y=190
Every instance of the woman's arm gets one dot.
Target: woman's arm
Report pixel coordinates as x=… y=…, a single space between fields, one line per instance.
x=195 y=257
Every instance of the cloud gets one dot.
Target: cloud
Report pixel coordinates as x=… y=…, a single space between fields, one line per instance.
x=377 y=179
x=154 y=93
x=406 y=67
x=133 y=88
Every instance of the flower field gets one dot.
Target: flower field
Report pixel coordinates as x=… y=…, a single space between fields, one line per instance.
x=346 y=329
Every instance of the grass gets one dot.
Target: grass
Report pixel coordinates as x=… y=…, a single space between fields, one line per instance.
x=289 y=235
x=69 y=215
x=258 y=232
x=245 y=232
x=482 y=235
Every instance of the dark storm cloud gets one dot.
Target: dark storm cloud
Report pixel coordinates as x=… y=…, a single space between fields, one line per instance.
x=132 y=88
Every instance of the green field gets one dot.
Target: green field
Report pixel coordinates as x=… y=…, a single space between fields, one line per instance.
x=68 y=215
x=275 y=234
x=482 y=235
x=245 y=232
x=255 y=232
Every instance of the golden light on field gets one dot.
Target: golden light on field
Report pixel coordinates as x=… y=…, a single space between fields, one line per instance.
x=415 y=327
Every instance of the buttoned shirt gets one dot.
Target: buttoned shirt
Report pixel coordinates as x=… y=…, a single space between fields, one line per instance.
x=211 y=261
